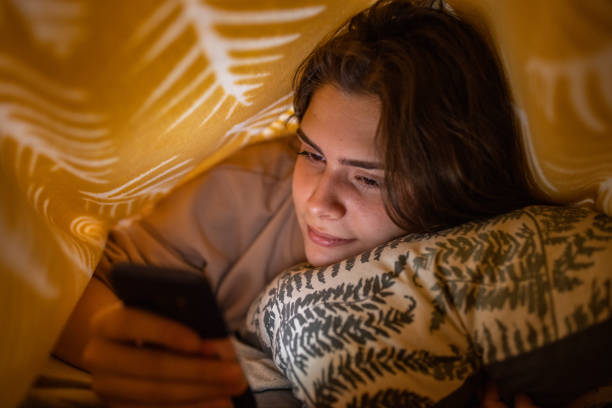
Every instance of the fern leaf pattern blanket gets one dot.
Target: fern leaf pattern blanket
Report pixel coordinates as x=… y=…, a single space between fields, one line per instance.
x=523 y=297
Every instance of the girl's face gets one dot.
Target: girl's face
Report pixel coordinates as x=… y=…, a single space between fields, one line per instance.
x=338 y=177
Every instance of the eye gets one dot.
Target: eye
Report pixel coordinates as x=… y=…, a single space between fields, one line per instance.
x=312 y=157
x=368 y=182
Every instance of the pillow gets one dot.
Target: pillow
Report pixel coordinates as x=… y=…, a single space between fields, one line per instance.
x=523 y=298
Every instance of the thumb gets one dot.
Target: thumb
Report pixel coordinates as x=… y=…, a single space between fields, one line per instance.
x=523 y=401
x=222 y=349
x=490 y=397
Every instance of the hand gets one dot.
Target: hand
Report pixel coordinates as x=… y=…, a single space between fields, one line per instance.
x=490 y=399
x=185 y=371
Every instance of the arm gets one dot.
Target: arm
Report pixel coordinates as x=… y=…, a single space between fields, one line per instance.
x=490 y=399
x=104 y=337
x=141 y=242
x=77 y=332
x=186 y=228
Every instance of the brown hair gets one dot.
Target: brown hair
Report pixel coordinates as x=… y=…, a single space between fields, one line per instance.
x=447 y=132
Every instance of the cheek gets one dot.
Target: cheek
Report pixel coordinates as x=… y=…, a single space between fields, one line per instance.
x=299 y=187
x=375 y=224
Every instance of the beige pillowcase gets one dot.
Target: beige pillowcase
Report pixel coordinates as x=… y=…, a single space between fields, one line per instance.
x=524 y=297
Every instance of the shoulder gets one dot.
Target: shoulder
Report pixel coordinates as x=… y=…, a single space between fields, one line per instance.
x=259 y=170
x=273 y=159
x=257 y=178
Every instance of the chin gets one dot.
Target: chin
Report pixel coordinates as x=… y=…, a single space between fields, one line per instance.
x=320 y=258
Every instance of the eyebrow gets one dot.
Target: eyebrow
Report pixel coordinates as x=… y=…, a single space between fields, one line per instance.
x=368 y=165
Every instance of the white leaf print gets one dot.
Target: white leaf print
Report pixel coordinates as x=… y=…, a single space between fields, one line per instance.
x=88 y=229
x=85 y=232
x=532 y=158
x=590 y=168
x=150 y=184
x=35 y=198
x=18 y=252
x=547 y=75
x=48 y=126
x=56 y=25
x=604 y=195
x=19 y=256
x=77 y=251
x=266 y=122
x=219 y=52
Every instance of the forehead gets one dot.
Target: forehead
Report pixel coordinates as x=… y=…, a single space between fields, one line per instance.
x=330 y=103
x=337 y=117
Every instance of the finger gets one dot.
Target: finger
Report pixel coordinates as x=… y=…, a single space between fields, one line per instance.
x=129 y=324
x=523 y=401
x=490 y=398
x=493 y=404
x=141 y=391
x=217 y=403
x=220 y=348
x=110 y=357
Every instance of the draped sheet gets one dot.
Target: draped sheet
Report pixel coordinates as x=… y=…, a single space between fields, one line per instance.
x=105 y=106
x=558 y=59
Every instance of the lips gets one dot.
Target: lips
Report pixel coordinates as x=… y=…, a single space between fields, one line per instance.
x=326 y=240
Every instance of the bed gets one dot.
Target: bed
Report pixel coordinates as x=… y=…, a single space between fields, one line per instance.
x=107 y=106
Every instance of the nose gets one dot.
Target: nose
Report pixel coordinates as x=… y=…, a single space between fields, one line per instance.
x=326 y=199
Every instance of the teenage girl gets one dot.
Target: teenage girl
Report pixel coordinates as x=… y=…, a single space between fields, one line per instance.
x=406 y=125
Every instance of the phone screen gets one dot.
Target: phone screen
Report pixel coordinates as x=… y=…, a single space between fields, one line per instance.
x=173 y=293
x=176 y=294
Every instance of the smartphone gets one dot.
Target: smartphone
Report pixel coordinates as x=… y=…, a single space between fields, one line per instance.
x=176 y=294
x=173 y=293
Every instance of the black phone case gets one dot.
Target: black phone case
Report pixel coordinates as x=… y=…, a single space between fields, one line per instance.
x=176 y=294
x=173 y=293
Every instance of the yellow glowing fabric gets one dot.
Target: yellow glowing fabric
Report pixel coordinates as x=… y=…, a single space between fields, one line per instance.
x=558 y=58
x=106 y=105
